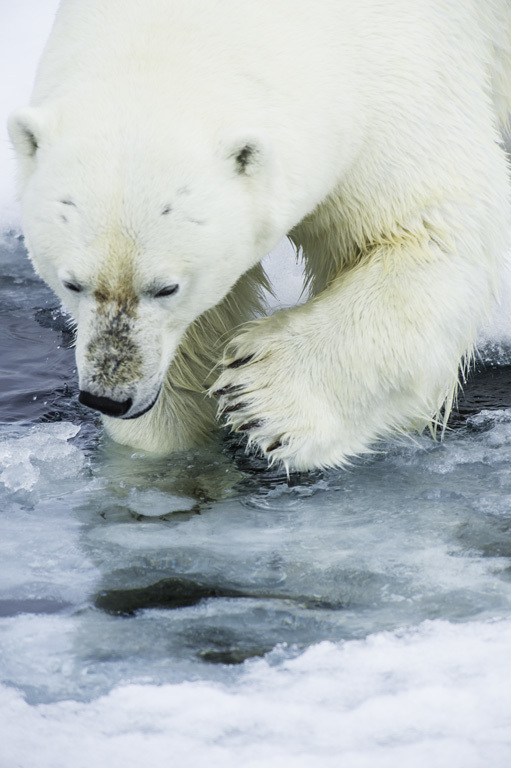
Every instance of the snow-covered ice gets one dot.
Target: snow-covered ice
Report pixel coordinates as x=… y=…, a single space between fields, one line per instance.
x=439 y=695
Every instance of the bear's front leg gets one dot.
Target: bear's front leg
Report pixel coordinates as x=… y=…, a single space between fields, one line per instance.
x=274 y=390
x=378 y=352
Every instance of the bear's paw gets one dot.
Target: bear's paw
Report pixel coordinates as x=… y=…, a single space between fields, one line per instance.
x=268 y=392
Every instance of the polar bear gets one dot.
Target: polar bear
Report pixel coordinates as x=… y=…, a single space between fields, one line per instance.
x=169 y=146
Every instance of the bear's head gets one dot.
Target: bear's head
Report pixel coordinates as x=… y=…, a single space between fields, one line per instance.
x=138 y=232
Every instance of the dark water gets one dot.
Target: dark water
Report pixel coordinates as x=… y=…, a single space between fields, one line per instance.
x=37 y=374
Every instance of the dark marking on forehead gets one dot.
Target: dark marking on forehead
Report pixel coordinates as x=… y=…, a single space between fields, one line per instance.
x=115 y=287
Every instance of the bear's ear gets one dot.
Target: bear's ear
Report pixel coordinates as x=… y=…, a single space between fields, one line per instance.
x=25 y=131
x=248 y=155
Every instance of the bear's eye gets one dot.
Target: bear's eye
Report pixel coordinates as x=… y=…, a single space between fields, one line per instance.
x=72 y=286
x=169 y=290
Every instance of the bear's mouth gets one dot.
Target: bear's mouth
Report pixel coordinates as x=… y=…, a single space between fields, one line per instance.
x=144 y=410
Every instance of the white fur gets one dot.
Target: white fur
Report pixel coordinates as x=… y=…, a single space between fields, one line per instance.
x=372 y=136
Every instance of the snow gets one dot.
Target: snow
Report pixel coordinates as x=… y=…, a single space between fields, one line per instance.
x=23 y=32
x=439 y=695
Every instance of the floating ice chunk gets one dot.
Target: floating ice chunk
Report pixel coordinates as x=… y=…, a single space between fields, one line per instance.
x=18 y=473
x=153 y=503
x=24 y=454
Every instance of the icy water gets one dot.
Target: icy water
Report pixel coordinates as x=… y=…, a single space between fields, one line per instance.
x=187 y=602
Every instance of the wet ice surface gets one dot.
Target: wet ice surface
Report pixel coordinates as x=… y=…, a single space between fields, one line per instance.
x=205 y=607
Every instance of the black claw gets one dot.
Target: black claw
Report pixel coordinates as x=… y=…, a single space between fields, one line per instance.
x=228 y=390
x=250 y=425
x=241 y=361
x=274 y=446
x=233 y=408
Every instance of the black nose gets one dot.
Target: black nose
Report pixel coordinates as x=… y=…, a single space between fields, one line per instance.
x=104 y=404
